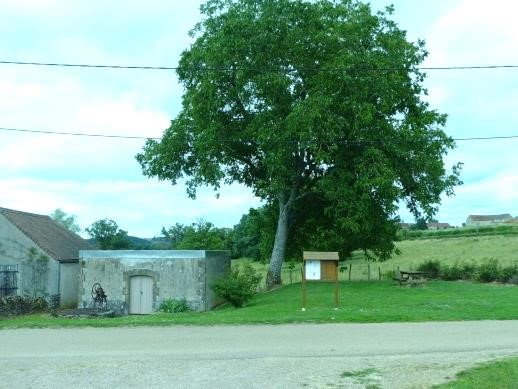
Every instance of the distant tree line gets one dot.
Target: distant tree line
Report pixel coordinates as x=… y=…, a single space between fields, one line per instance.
x=253 y=237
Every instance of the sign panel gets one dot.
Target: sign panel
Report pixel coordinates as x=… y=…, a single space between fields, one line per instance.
x=312 y=270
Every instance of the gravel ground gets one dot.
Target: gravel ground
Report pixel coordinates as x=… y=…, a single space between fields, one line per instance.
x=395 y=355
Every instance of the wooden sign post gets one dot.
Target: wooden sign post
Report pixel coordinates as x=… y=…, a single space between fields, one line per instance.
x=319 y=266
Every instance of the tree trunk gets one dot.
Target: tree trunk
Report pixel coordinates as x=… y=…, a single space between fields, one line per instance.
x=273 y=277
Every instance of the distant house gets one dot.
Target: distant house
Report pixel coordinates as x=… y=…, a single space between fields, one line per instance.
x=487 y=220
x=438 y=226
x=405 y=226
x=38 y=257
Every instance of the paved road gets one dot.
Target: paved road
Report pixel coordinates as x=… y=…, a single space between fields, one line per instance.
x=390 y=355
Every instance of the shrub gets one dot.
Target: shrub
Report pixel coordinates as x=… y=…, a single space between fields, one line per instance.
x=451 y=273
x=18 y=305
x=469 y=271
x=489 y=271
x=459 y=271
x=431 y=268
x=508 y=273
x=54 y=301
x=39 y=304
x=238 y=286
x=174 y=306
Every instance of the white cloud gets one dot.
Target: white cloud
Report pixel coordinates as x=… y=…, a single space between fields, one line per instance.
x=140 y=207
x=475 y=32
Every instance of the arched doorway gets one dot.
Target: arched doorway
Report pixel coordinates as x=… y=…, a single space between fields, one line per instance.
x=141 y=295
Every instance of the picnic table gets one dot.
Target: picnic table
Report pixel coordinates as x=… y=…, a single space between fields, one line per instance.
x=412 y=278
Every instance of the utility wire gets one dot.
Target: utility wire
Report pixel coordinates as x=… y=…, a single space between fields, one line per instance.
x=226 y=69
x=220 y=140
x=75 y=133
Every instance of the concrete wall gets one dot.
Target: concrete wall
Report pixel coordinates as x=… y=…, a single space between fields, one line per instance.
x=217 y=265
x=14 y=247
x=182 y=274
x=69 y=283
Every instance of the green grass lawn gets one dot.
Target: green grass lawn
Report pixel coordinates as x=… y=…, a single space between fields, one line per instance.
x=365 y=302
x=498 y=375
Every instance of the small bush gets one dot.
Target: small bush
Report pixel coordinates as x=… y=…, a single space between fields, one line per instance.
x=489 y=271
x=468 y=271
x=459 y=271
x=54 y=301
x=431 y=268
x=39 y=304
x=174 y=306
x=451 y=273
x=238 y=286
x=508 y=273
x=18 y=305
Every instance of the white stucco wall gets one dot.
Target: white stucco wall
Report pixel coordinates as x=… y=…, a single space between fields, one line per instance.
x=15 y=247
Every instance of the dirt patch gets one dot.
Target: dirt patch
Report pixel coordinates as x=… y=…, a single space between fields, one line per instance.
x=85 y=312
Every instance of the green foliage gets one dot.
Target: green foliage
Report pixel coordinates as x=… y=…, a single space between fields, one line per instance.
x=459 y=271
x=489 y=271
x=174 y=234
x=254 y=235
x=431 y=268
x=108 y=235
x=458 y=232
x=38 y=264
x=303 y=136
x=174 y=306
x=201 y=235
x=420 y=224
x=239 y=286
x=508 y=273
x=18 y=305
x=67 y=221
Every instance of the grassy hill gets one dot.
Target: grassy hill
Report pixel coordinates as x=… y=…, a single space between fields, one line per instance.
x=503 y=248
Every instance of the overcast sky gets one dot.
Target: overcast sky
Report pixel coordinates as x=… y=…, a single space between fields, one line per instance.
x=95 y=178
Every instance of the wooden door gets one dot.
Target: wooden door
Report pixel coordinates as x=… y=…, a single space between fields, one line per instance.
x=141 y=295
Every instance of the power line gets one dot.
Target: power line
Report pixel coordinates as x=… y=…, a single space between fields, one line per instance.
x=76 y=134
x=220 y=140
x=227 y=69
x=486 y=138
x=71 y=65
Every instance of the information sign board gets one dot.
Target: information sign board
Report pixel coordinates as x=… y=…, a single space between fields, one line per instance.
x=312 y=270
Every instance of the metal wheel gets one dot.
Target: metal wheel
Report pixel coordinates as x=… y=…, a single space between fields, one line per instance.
x=96 y=291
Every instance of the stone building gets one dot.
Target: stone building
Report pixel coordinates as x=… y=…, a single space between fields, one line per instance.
x=487 y=220
x=38 y=257
x=138 y=281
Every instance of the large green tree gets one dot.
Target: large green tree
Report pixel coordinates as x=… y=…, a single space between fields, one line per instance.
x=108 y=235
x=198 y=236
x=311 y=104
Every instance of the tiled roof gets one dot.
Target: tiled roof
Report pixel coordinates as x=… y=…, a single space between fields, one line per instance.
x=438 y=225
x=54 y=239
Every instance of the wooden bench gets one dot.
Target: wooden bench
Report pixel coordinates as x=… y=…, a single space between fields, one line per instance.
x=410 y=278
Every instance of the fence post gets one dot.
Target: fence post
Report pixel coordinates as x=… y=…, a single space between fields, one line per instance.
x=368 y=271
x=379 y=272
x=350 y=266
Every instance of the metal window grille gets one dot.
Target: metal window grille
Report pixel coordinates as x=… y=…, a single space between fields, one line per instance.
x=8 y=280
